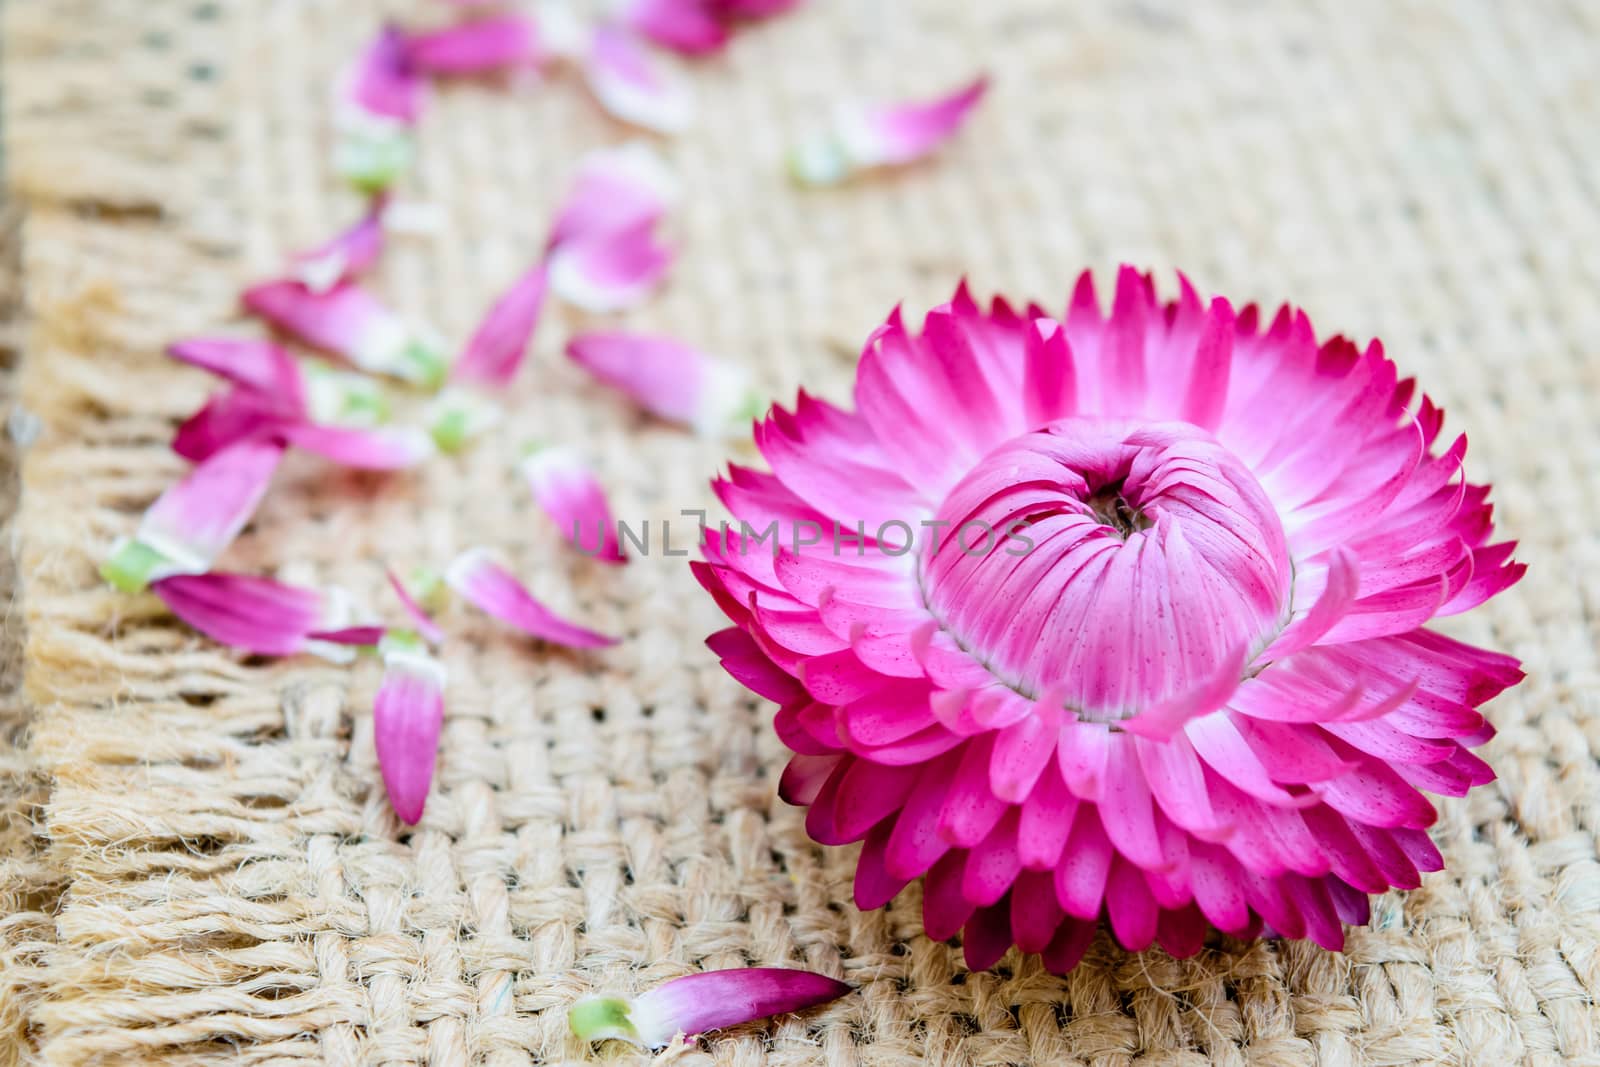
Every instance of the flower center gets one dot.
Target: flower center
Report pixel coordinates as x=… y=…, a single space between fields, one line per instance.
x=1111 y=563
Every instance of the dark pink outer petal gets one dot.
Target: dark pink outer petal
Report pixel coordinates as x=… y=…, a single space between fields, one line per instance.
x=239 y=414
x=196 y=519
x=688 y=26
x=346 y=320
x=753 y=9
x=476 y=47
x=500 y=343
x=405 y=729
x=252 y=614
x=662 y=375
x=495 y=591
x=383 y=81
x=347 y=254
x=614 y=189
x=712 y=1000
x=610 y=271
x=566 y=489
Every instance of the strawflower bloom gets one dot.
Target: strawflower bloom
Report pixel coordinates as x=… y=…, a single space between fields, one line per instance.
x=865 y=138
x=1122 y=617
x=698 y=1003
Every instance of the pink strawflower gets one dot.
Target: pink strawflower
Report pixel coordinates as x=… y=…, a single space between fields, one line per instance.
x=275 y=398
x=1121 y=618
x=699 y=1003
x=348 y=321
x=884 y=136
x=493 y=590
x=498 y=42
x=669 y=379
x=406 y=718
x=566 y=489
x=632 y=86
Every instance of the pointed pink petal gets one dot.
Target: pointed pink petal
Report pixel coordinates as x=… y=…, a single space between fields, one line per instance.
x=566 y=489
x=752 y=9
x=405 y=728
x=495 y=591
x=239 y=414
x=476 y=47
x=713 y=1000
x=886 y=135
x=383 y=448
x=614 y=189
x=632 y=87
x=257 y=365
x=197 y=518
x=612 y=270
x=347 y=321
x=346 y=255
x=383 y=82
x=420 y=619
x=666 y=377
x=253 y=614
x=500 y=343
x=688 y=26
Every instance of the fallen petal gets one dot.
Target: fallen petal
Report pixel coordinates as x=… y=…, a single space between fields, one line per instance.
x=699 y=1003
x=383 y=82
x=476 y=47
x=688 y=26
x=256 y=615
x=405 y=724
x=196 y=519
x=884 y=136
x=753 y=9
x=385 y=448
x=258 y=365
x=413 y=605
x=500 y=343
x=669 y=379
x=632 y=87
x=615 y=189
x=566 y=489
x=350 y=322
x=239 y=414
x=610 y=271
x=348 y=254
x=495 y=591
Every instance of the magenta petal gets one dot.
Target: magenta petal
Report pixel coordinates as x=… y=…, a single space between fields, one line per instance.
x=566 y=489
x=688 y=26
x=384 y=448
x=252 y=614
x=495 y=591
x=753 y=9
x=405 y=728
x=346 y=255
x=345 y=320
x=500 y=343
x=420 y=619
x=714 y=1000
x=228 y=418
x=611 y=270
x=632 y=86
x=260 y=366
x=665 y=377
x=615 y=189
x=476 y=47
x=197 y=518
x=383 y=82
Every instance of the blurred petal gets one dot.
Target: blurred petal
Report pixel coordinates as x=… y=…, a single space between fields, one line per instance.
x=610 y=271
x=500 y=343
x=414 y=610
x=669 y=379
x=688 y=26
x=350 y=322
x=632 y=87
x=255 y=615
x=566 y=489
x=238 y=414
x=615 y=189
x=196 y=519
x=261 y=366
x=495 y=591
x=885 y=136
x=348 y=254
x=383 y=82
x=384 y=448
x=476 y=47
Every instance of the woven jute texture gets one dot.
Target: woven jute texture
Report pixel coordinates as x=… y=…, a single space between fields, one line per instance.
x=199 y=863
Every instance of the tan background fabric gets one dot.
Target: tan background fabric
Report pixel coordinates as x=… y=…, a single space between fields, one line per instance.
x=213 y=869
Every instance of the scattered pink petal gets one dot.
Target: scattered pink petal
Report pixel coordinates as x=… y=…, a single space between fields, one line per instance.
x=500 y=343
x=380 y=448
x=405 y=725
x=669 y=379
x=256 y=615
x=688 y=26
x=420 y=619
x=615 y=189
x=495 y=591
x=355 y=636
x=382 y=82
x=885 y=136
x=753 y=9
x=196 y=519
x=566 y=489
x=238 y=414
x=610 y=271
x=490 y=44
x=700 y=1003
x=632 y=86
x=348 y=254
x=350 y=322
x=261 y=366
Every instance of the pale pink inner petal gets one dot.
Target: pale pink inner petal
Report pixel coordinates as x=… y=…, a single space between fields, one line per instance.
x=632 y=86
x=196 y=519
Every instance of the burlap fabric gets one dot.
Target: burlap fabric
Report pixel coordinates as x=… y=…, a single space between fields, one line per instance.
x=199 y=861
